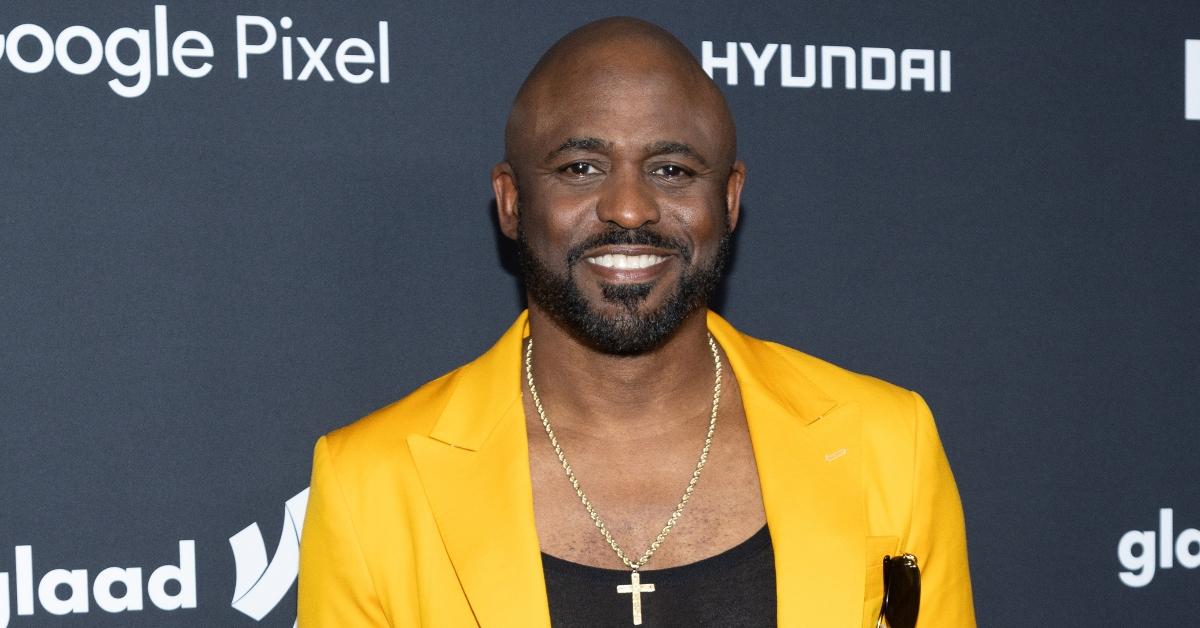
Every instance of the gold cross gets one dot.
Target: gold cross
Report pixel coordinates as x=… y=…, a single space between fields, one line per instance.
x=636 y=587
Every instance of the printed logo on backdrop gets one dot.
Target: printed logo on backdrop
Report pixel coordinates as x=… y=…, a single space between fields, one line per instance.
x=1191 y=79
x=136 y=54
x=1141 y=552
x=868 y=68
x=260 y=585
x=65 y=591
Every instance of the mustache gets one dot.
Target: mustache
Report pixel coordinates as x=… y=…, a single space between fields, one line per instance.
x=639 y=236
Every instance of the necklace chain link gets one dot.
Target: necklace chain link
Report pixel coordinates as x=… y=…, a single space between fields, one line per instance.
x=635 y=565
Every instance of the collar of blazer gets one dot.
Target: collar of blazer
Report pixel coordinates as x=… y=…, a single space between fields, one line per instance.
x=474 y=466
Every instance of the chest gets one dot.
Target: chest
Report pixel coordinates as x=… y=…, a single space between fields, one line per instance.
x=635 y=488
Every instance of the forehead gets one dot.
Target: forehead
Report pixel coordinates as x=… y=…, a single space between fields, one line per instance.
x=632 y=103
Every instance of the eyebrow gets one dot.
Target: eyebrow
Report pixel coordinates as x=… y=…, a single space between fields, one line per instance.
x=675 y=148
x=580 y=144
x=595 y=144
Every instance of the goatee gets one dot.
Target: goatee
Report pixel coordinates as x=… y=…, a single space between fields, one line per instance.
x=631 y=331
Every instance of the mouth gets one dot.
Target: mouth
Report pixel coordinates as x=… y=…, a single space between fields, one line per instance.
x=625 y=264
x=622 y=261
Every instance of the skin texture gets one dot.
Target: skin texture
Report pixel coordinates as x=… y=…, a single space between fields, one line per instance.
x=617 y=128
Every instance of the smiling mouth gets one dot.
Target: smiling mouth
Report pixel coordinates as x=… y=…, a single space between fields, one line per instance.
x=620 y=261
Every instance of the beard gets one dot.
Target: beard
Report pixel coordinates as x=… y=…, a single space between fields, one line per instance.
x=631 y=331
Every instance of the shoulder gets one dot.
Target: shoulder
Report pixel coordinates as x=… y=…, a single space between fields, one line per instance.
x=384 y=432
x=882 y=403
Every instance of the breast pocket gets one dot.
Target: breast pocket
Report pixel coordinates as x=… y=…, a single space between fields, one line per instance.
x=877 y=548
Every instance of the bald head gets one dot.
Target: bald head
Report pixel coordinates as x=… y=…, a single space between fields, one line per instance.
x=610 y=59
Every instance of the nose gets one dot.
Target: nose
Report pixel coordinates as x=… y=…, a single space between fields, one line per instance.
x=627 y=199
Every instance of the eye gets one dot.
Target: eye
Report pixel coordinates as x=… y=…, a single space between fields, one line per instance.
x=671 y=171
x=579 y=169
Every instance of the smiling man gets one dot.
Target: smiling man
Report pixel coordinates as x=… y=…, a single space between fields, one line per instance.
x=622 y=455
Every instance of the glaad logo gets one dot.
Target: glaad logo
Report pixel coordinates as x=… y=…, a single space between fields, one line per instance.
x=79 y=51
x=1191 y=79
x=74 y=583
x=261 y=585
x=878 y=67
x=1141 y=563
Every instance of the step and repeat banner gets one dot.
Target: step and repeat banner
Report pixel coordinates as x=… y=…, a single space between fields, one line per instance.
x=229 y=227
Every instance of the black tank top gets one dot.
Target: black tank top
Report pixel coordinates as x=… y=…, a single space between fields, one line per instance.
x=734 y=589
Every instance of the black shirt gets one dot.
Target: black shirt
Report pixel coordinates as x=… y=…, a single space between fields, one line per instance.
x=734 y=589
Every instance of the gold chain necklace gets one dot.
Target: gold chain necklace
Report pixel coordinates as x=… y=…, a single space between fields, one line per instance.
x=635 y=586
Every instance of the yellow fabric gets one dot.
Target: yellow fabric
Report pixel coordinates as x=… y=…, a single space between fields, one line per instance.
x=421 y=513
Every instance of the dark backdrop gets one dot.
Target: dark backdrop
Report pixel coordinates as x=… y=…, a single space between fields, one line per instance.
x=197 y=282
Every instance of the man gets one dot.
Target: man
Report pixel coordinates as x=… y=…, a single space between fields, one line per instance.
x=623 y=456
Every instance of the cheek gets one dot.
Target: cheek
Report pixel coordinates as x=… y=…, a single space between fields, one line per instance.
x=701 y=220
x=551 y=230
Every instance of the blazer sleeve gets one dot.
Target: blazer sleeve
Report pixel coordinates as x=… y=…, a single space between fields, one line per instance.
x=336 y=588
x=937 y=533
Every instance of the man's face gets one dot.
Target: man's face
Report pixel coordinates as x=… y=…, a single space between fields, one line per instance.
x=623 y=217
x=634 y=326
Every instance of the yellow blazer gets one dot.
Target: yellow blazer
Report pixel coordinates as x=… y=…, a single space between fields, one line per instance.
x=421 y=513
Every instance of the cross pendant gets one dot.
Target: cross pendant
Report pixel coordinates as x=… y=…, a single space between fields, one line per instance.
x=636 y=587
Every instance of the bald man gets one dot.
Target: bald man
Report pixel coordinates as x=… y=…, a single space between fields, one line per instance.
x=622 y=455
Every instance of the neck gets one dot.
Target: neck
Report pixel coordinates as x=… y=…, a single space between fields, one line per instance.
x=604 y=395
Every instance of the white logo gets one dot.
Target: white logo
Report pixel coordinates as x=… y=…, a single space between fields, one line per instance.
x=261 y=585
x=1141 y=563
x=76 y=583
x=834 y=455
x=189 y=53
x=879 y=68
x=1191 y=79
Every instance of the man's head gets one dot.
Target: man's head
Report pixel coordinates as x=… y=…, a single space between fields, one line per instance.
x=620 y=184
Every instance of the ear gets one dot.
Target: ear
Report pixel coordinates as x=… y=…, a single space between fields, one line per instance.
x=733 y=191
x=504 y=186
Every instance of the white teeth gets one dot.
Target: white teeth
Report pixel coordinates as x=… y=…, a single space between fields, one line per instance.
x=620 y=261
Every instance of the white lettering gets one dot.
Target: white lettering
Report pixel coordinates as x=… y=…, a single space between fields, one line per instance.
x=944 y=66
x=286 y=23
x=343 y=57
x=184 y=574
x=5 y=612
x=869 y=57
x=1137 y=548
x=180 y=52
x=76 y=580
x=24 y=562
x=139 y=68
x=759 y=62
x=385 y=64
x=1191 y=71
x=1187 y=559
x=729 y=62
x=259 y=585
x=786 y=78
x=80 y=50
x=95 y=50
x=1141 y=564
x=13 y=47
x=314 y=59
x=130 y=578
x=160 y=39
x=66 y=591
x=1166 y=536
x=244 y=49
x=909 y=71
x=847 y=55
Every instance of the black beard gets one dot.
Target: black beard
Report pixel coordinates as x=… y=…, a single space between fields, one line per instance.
x=631 y=332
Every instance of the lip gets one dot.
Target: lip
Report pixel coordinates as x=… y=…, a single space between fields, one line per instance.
x=612 y=274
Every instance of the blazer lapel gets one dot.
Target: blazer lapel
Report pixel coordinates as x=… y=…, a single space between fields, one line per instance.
x=474 y=467
x=806 y=447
